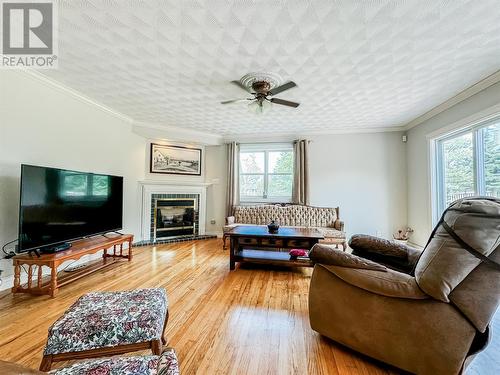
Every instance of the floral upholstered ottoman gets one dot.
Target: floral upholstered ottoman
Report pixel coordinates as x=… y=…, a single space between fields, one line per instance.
x=166 y=364
x=108 y=323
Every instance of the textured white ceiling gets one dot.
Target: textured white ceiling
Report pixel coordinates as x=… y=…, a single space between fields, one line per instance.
x=358 y=64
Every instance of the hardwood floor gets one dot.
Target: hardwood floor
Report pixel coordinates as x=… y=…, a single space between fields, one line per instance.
x=250 y=321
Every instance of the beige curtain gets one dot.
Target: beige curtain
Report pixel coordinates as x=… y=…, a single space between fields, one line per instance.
x=233 y=186
x=301 y=172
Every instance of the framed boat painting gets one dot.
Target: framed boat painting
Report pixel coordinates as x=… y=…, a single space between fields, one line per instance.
x=181 y=160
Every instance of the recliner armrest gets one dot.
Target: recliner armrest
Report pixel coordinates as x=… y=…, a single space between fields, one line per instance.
x=389 y=283
x=328 y=255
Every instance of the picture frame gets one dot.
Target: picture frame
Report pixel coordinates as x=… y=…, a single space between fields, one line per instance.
x=177 y=160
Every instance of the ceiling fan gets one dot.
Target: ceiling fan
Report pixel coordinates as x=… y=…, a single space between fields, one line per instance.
x=263 y=95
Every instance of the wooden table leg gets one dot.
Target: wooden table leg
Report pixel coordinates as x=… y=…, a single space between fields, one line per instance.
x=232 y=246
x=17 y=277
x=39 y=281
x=53 y=280
x=129 y=250
x=30 y=276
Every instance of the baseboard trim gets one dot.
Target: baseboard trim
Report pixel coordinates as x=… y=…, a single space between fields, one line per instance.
x=173 y=240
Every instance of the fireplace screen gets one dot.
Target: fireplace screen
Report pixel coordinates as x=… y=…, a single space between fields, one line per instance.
x=175 y=217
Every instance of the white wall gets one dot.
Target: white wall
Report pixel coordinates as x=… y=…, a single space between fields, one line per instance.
x=216 y=193
x=418 y=166
x=363 y=174
x=44 y=125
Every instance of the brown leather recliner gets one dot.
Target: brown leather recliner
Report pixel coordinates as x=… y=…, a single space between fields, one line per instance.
x=425 y=312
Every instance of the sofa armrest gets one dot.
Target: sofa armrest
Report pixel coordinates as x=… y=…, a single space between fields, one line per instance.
x=229 y=220
x=339 y=225
x=390 y=253
x=168 y=363
x=388 y=283
x=328 y=255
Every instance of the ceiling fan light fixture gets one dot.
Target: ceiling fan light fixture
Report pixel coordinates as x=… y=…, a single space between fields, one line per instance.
x=260 y=107
x=263 y=91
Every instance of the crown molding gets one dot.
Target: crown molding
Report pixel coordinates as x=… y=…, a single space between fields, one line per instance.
x=286 y=137
x=460 y=97
x=176 y=134
x=74 y=93
x=468 y=122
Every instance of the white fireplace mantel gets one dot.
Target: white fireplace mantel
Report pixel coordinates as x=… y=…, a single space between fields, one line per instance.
x=148 y=188
x=174 y=183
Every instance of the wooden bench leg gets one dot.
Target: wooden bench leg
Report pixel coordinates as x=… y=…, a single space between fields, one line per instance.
x=46 y=363
x=156 y=347
x=163 y=338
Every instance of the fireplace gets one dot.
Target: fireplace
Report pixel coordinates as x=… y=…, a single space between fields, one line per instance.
x=175 y=217
x=173 y=213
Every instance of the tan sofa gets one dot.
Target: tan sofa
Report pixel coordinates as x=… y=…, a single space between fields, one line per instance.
x=425 y=312
x=326 y=220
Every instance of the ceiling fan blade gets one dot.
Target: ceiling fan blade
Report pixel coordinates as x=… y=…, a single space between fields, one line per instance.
x=282 y=88
x=234 y=101
x=284 y=102
x=241 y=86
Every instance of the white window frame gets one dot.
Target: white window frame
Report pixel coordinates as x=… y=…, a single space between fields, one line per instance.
x=266 y=148
x=438 y=199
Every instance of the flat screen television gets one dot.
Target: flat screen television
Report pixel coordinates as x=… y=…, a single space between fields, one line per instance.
x=60 y=205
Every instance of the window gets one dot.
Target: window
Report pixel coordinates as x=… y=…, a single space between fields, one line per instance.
x=467 y=164
x=75 y=184
x=266 y=172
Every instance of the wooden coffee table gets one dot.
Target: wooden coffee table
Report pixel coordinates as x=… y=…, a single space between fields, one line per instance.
x=254 y=243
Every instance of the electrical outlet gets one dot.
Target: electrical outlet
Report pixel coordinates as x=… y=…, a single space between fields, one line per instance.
x=212 y=221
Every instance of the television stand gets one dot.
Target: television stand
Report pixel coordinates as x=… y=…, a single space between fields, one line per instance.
x=91 y=245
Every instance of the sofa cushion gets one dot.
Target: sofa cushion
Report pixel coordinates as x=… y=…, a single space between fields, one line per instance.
x=136 y=365
x=331 y=233
x=227 y=228
x=168 y=363
x=104 y=319
x=165 y=364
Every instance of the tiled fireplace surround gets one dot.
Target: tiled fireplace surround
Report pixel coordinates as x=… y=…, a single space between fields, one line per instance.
x=155 y=198
x=153 y=191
